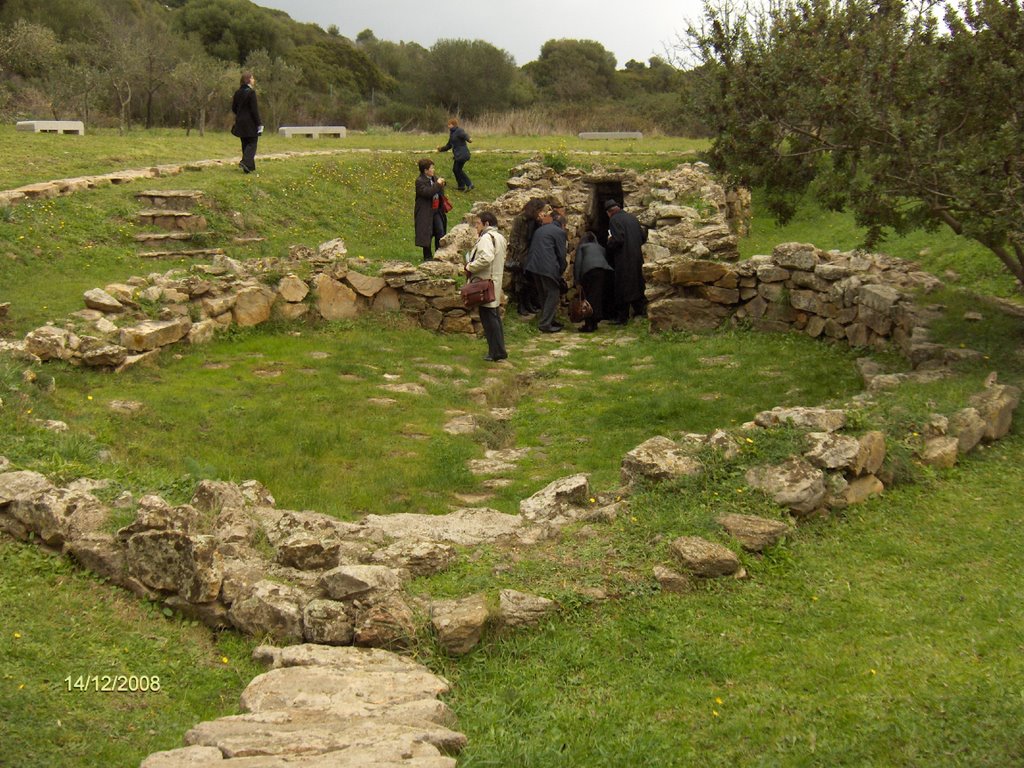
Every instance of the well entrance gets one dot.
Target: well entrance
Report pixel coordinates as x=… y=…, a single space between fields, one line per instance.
x=597 y=216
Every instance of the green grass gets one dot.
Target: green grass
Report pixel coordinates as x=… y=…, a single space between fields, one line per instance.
x=59 y=622
x=889 y=635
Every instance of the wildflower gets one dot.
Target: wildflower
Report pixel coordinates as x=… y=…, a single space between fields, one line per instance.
x=17 y=635
x=874 y=672
x=749 y=440
x=88 y=397
x=223 y=659
x=718 y=700
x=714 y=713
x=593 y=500
x=814 y=598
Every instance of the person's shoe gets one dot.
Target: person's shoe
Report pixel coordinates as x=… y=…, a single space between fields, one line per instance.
x=550 y=329
x=470 y=188
x=586 y=329
x=557 y=325
x=243 y=167
x=617 y=321
x=490 y=359
x=460 y=189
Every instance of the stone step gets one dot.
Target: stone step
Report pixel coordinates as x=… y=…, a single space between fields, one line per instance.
x=172 y=199
x=158 y=238
x=187 y=253
x=172 y=220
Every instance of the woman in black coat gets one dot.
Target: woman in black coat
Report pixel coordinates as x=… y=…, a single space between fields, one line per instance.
x=590 y=269
x=457 y=141
x=248 y=123
x=428 y=213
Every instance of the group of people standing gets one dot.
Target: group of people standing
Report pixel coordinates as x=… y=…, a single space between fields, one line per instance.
x=610 y=276
x=607 y=269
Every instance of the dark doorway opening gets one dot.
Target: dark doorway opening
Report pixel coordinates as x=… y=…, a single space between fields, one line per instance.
x=597 y=217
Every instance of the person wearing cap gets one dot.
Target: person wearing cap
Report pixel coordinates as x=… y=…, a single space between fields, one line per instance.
x=546 y=264
x=457 y=141
x=625 y=237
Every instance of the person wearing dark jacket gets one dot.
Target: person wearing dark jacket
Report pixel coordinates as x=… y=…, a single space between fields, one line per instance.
x=457 y=141
x=546 y=263
x=521 y=288
x=589 y=270
x=428 y=212
x=625 y=237
x=248 y=123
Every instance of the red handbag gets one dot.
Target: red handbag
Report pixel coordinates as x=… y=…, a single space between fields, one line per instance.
x=446 y=204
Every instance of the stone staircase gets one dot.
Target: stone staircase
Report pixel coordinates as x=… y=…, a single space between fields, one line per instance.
x=171 y=212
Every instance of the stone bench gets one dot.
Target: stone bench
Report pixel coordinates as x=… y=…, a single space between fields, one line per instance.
x=52 y=126
x=611 y=135
x=312 y=131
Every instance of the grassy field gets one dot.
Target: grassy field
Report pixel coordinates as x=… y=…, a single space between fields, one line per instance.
x=890 y=635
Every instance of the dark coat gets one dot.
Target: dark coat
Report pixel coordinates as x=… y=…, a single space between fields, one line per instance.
x=457 y=140
x=519 y=239
x=588 y=256
x=424 y=212
x=547 y=251
x=247 y=113
x=626 y=235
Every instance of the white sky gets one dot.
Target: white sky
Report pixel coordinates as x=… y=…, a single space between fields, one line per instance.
x=630 y=29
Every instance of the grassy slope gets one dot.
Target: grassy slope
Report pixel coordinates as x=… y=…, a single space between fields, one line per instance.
x=794 y=673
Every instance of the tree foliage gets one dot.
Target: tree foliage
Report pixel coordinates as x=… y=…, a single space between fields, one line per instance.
x=874 y=106
x=150 y=62
x=574 y=71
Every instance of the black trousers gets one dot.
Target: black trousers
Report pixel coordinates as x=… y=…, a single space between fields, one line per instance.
x=460 y=175
x=593 y=288
x=490 y=319
x=249 y=152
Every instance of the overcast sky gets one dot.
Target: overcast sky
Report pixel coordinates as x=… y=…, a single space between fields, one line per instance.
x=630 y=29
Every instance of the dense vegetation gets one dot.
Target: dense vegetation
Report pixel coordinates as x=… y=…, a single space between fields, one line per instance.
x=909 y=115
x=128 y=62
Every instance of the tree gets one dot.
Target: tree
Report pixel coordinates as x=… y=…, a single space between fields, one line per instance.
x=873 y=106
x=573 y=70
x=278 y=86
x=196 y=83
x=468 y=77
x=29 y=50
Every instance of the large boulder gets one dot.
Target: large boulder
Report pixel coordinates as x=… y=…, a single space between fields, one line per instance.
x=563 y=500
x=996 y=404
x=659 y=458
x=794 y=484
x=270 y=609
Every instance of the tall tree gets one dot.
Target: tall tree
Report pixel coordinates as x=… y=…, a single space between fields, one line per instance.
x=469 y=76
x=573 y=70
x=873 y=106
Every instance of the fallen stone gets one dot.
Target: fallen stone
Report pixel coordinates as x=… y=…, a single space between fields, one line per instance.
x=704 y=558
x=755 y=534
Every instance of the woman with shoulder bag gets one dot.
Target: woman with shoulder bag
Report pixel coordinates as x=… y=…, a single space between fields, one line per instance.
x=589 y=271
x=486 y=261
x=429 y=215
